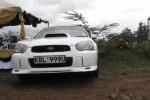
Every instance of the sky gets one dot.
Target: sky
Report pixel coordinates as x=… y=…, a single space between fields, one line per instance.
x=128 y=13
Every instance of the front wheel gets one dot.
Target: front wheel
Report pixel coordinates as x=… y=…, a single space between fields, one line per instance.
x=93 y=73
x=24 y=77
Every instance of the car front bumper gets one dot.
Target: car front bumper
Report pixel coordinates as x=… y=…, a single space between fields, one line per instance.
x=85 y=61
x=54 y=70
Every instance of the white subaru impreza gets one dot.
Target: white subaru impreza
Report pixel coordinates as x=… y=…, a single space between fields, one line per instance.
x=59 y=49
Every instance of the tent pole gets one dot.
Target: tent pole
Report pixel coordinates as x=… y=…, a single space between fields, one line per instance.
x=23 y=34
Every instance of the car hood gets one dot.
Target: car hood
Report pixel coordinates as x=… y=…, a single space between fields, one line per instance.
x=55 y=41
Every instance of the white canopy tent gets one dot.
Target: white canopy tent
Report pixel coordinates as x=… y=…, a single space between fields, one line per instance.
x=5 y=6
x=11 y=15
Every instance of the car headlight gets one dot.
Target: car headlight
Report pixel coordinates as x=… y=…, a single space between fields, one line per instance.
x=86 y=45
x=20 y=48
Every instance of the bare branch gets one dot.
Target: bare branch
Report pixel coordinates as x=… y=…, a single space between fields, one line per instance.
x=79 y=17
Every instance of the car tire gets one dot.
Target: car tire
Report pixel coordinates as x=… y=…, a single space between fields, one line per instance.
x=93 y=73
x=23 y=77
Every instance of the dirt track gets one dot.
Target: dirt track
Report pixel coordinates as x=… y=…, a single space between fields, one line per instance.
x=136 y=86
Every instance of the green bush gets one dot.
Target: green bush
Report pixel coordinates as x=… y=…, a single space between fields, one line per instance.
x=105 y=47
x=113 y=60
x=143 y=49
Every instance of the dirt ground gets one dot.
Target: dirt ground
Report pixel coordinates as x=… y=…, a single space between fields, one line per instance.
x=124 y=86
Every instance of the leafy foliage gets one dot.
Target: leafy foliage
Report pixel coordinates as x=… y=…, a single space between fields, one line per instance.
x=98 y=30
x=78 y=17
x=75 y=16
x=143 y=49
x=142 y=32
x=113 y=60
x=11 y=33
x=105 y=47
x=127 y=34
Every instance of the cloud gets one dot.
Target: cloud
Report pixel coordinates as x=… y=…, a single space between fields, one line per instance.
x=128 y=13
x=65 y=4
x=53 y=9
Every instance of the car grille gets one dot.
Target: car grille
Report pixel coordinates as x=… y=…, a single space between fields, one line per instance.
x=68 y=63
x=50 y=48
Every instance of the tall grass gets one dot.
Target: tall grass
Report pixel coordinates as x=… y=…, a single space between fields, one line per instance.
x=113 y=60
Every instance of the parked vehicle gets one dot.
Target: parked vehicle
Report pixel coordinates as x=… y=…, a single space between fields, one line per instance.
x=59 y=49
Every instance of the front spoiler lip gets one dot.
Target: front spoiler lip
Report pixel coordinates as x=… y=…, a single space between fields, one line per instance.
x=36 y=71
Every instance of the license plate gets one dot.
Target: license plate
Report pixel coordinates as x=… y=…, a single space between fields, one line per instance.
x=49 y=59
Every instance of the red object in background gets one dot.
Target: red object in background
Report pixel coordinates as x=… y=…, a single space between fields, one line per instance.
x=121 y=43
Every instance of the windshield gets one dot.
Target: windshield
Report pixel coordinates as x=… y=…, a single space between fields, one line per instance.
x=73 y=31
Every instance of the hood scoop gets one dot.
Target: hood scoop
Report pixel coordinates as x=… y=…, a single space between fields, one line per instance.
x=57 y=35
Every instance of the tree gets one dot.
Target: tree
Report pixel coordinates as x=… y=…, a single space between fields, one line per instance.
x=142 y=32
x=78 y=17
x=112 y=36
x=127 y=34
x=105 y=29
x=95 y=30
x=9 y=34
